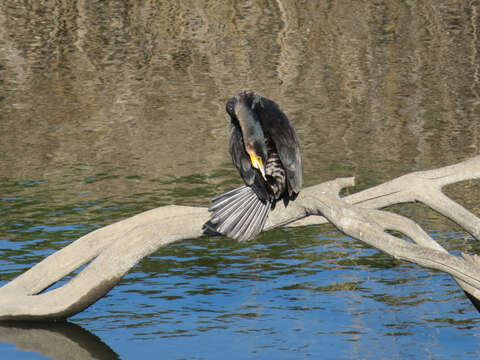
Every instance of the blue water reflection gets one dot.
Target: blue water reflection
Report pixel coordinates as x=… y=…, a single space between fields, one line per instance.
x=287 y=299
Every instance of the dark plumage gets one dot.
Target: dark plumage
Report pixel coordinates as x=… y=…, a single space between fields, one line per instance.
x=266 y=153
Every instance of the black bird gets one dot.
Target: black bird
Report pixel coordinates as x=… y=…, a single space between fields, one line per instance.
x=266 y=153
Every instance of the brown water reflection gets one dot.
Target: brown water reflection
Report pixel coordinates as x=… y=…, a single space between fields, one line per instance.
x=374 y=88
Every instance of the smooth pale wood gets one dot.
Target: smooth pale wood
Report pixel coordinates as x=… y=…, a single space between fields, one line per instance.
x=112 y=251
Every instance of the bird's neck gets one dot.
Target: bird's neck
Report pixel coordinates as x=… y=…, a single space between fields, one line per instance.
x=252 y=131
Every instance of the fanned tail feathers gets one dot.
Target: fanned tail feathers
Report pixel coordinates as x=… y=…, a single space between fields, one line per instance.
x=238 y=213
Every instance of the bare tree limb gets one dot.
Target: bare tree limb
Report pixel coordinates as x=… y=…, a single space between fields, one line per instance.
x=113 y=250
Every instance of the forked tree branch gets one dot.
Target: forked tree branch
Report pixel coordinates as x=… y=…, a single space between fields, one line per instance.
x=113 y=250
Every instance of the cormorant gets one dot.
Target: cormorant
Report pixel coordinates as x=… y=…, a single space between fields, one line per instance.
x=266 y=153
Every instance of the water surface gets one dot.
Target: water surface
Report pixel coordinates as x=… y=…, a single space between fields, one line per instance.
x=108 y=109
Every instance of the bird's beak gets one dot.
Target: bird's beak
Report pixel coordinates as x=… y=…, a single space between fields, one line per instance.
x=257 y=163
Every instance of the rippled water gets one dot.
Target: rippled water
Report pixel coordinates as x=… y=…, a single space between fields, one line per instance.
x=108 y=109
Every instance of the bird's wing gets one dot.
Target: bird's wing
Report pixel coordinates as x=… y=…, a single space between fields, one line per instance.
x=242 y=162
x=278 y=128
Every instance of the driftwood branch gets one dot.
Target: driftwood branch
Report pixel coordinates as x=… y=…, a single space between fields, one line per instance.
x=113 y=250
